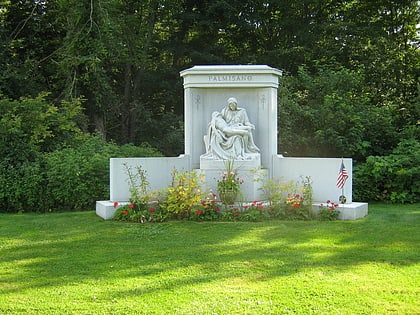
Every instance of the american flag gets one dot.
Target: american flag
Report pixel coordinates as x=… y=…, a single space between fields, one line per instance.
x=342 y=176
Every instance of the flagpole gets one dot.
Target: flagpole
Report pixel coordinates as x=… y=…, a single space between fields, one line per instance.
x=341 y=181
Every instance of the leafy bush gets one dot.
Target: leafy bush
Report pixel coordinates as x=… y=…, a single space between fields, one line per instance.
x=391 y=178
x=336 y=108
x=329 y=211
x=30 y=126
x=69 y=178
x=289 y=200
x=184 y=194
x=22 y=187
x=208 y=210
x=77 y=177
x=143 y=213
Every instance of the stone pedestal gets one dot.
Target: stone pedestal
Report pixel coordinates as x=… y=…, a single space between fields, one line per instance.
x=250 y=188
x=348 y=211
x=105 y=209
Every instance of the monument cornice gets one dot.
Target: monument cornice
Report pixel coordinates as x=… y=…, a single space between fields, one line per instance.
x=231 y=76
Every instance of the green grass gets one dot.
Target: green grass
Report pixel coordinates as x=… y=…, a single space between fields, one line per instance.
x=76 y=263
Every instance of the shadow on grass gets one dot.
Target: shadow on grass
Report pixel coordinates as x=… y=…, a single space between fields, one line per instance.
x=69 y=248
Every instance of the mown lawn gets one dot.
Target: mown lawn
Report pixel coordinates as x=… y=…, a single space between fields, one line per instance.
x=76 y=263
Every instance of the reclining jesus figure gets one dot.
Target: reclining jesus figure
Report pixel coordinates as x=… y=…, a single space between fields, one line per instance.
x=229 y=134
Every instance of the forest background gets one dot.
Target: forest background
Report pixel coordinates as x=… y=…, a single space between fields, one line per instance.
x=83 y=81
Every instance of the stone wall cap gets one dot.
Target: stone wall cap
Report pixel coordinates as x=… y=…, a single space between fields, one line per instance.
x=215 y=69
x=225 y=76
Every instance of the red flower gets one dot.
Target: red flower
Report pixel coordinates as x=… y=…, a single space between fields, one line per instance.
x=151 y=210
x=115 y=204
x=217 y=209
x=260 y=207
x=296 y=205
x=124 y=212
x=198 y=212
x=213 y=202
x=131 y=206
x=246 y=207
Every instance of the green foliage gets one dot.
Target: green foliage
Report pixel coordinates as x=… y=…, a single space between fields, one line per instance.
x=79 y=176
x=138 y=186
x=208 y=210
x=30 y=126
x=144 y=204
x=76 y=178
x=335 y=107
x=184 y=194
x=22 y=189
x=229 y=180
x=253 y=212
x=140 y=213
x=393 y=177
x=329 y=211
x=64 y=179
x=289 y=200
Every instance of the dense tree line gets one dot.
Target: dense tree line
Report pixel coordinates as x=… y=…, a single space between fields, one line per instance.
x=351 y=67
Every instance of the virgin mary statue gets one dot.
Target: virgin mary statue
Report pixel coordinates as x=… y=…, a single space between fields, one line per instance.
x=229 y=134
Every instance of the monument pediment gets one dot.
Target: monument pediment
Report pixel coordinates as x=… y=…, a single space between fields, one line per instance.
x=231 y=76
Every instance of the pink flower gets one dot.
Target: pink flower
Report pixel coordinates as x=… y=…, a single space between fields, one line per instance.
x=115 y=204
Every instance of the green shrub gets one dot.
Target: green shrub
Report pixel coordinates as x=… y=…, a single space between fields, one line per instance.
x=184 y=194
x=77 y=177
x=69 y=178
x=391 y=178
x=208 y=210
x=289 y=200
x=143 y=213
x=22 y=188
x=329 y=211
x=32 y=125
